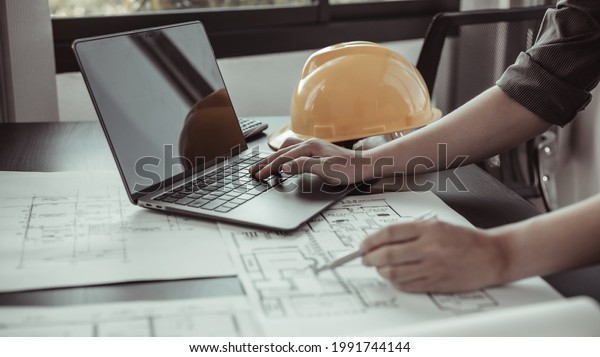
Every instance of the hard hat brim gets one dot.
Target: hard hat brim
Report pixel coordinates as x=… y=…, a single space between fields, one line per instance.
x=278 y=137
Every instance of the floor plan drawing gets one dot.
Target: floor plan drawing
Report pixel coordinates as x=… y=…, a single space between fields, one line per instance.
x=87 y=232
x=285 y=280
x=223 y=317
x=277 y=270
x=464 y=302
x=82 y=228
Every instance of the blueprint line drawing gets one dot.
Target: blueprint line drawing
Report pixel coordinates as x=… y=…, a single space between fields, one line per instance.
x=283 y=276
x=277 y=270
x=227 y=316
x=82 y=228
x=471 y=301
x=79 y=228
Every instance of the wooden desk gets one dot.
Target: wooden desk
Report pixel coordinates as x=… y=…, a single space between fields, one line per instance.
x=82 y=146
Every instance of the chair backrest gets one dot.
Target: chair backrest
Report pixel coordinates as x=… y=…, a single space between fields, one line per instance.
x=463 y=54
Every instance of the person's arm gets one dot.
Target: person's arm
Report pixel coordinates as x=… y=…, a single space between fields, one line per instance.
x=551 y=81
x=489 y=124
x=486 y=125
x=433 y=256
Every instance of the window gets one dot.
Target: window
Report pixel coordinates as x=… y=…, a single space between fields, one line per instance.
x=247 y=27
x=80 y=8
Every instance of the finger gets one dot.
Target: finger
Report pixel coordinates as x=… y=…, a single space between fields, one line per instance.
x=308 y=149
x=401 y=274
x=303 y=165
x=270 y=158
x=393 y=254
x=322 y=167
x=274 y=167
x=290 y=141
x=262 y=169
x=396 y=233
x=415 y=286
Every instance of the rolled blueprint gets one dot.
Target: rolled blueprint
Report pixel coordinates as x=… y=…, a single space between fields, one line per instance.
x=575 y=317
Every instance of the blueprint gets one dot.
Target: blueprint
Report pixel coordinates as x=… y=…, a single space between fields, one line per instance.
x=78 y=228
x=277 y=271
x=222 y=317
x=573 y=317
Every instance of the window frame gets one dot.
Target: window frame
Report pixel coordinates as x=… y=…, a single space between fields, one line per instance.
x=266 y=29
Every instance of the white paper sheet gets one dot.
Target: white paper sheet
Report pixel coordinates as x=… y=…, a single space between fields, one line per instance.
x=275 y=269
x=78 y=228
x=575 y=317
x=214 y=317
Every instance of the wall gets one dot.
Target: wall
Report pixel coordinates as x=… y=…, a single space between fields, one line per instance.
x=27 y=65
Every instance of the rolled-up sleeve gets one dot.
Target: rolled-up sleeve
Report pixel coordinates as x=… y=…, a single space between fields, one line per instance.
x=554 y=78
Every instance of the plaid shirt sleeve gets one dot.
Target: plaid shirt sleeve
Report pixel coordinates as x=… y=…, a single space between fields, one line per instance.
x=554 y=78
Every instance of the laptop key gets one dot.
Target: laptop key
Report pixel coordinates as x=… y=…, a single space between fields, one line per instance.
x=230 y=187
x=246 y=197
x=170 y=199
x=201 y=185
x=228 y=197
x=237 y=201
x=219 y=193
x=163 y=196
x=257 y=190
x=240 y=191
x=261 y=188
x=219 y=184
x=214 y=204
x=256 y=183
x=184 y=201
x=199 y=203
x=223 y=209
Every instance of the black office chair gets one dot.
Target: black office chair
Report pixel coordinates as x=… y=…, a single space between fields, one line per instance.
x=463 y=54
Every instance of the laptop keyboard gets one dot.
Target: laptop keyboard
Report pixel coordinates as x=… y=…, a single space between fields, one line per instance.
x=223 y=189
x=251 y=127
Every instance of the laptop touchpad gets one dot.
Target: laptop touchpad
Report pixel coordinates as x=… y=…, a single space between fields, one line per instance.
x=309 y=186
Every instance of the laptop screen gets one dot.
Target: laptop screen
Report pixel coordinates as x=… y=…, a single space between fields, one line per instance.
x=163 y=102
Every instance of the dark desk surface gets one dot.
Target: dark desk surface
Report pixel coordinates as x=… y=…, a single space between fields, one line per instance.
x=82 y=146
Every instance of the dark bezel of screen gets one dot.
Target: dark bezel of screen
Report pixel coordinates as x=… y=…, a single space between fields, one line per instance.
x=135 y=196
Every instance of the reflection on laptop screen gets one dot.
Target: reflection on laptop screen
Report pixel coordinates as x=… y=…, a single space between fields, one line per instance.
x=162 y=100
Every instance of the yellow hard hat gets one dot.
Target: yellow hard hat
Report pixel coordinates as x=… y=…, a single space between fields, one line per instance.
x=355 y=90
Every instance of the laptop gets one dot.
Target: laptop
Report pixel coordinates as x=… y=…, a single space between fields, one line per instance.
x=174 y=134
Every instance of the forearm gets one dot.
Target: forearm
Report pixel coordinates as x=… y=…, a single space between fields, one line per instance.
x=487 y=125
x=557 y=241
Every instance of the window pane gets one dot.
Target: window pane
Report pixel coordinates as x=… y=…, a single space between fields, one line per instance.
x=77 y=8
x=357 y=1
